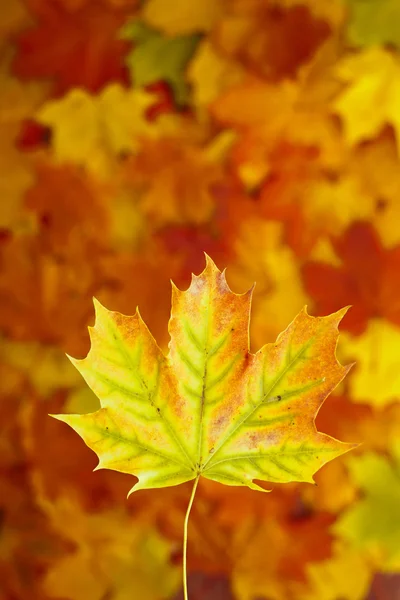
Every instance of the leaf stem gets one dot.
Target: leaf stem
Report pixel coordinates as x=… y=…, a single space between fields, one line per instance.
x=185 y=537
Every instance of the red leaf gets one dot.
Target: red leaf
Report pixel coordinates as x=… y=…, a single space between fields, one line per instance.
x=77 y=49
x=369 y=279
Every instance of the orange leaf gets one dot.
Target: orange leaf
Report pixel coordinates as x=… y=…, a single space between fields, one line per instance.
x=211 y=408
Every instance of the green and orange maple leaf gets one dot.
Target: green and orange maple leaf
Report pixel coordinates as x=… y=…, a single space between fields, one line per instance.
x=210 y=408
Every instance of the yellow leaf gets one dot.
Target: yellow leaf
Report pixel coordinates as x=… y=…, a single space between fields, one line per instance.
x=44 y=366
x=334 y=489
x=346 y=575
x=376 y=377
x=371 y=98
x=262 y=256
x=93 y=130
x=210 y=74
x=338 y=204
x=382 y=184
x=210 y=408
x=182 y=17
x=373 y=523
x=113 y=556
x=128 y=226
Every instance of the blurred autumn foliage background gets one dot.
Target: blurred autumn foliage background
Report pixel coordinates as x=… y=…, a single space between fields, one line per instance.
x=133 y=137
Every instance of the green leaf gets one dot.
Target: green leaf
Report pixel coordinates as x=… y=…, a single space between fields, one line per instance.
x=374 y=22
x=157 y=57
x=373 y=522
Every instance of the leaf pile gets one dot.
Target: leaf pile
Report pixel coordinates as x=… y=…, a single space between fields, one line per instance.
x=134 y=136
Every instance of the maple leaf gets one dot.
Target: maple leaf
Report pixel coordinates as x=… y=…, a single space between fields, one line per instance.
x=373 y=522
x=43 y=366
x=181 y=174
x=85 y=51
x=373 y=22
x=113 y=555
x=156 y=57
x=210 y=408
x=80 y=207
x=347 y=575
x=278 y=126
x=367 y=276
x=312 y=206
x=261 y=574
x=210 y=73
x=260 y=112
x=376 y=378
x=371 y=98
x=34 y=283
x=262 y=256
x=256 y=33
x=91 y=130
x=383 y=184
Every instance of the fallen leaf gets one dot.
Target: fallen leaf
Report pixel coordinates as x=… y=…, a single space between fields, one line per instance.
x=113 y=555
x=260 y=113
x=211 y=73
x=181 y=175
x=347 y=575
x=382 y=184
x=373 y=23
x=375 y=379
x=370 y=98
x=28 y=544
x=151 y=265
x=367 y=277
x=43 y=366
x=191 y=417
x=80 y=214
x=372 y=524
x=273 y=555
x=85 y=49
x=376 y=427
x=262 y=256
x=277 y=124
x=156 y=57
x=95 y=130
x=35 y=283
x=256 y=34
x=311 y=205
